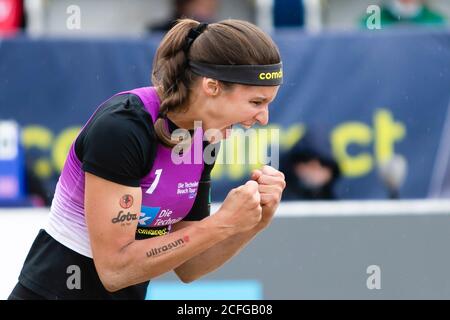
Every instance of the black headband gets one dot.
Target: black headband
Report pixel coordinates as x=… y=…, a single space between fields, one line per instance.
x=257 y=75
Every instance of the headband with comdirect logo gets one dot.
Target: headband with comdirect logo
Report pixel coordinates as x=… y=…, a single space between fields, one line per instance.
x=257 y=75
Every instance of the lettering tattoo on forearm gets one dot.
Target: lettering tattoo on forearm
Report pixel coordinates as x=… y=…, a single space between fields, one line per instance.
x=168 y=247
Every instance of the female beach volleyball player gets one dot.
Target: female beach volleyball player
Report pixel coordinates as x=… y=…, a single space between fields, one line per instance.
x=124 y=212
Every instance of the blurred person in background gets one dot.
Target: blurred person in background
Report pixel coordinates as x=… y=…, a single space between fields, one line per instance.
x=288 y=13
x=310 y=169
x=200 y=10
x=408 y=12
x=36 y=189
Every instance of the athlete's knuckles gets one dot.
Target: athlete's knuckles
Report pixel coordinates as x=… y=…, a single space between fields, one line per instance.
x=256 y=174
x=267 y=197
x=273 y=173
x=279 y=197
x=256 y=198
x=250 y=204
x=278 y=190
x=270 y=189
x=268 y=169
x=236 y=190
x=278 y=180
x=245 y=194
x=251 y=191
x=264 y=194
x=272 y=199
x=244 y=191
x=267 y=181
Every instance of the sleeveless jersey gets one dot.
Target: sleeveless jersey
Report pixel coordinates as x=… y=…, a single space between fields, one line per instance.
x=168 y=190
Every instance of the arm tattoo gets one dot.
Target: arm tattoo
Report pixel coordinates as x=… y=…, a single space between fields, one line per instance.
x=168 y=247
x=126 y=201
x=124 y=219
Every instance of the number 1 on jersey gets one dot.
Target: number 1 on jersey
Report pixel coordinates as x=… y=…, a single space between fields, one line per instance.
x=155 y=182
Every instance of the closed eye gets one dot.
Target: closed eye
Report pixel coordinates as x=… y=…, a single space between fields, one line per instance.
x=257 y=103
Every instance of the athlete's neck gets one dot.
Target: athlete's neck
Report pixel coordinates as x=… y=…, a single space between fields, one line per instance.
x=186 y=117
x=198 y=108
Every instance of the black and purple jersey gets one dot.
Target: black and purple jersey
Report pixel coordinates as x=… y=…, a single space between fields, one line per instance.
x=168 y=189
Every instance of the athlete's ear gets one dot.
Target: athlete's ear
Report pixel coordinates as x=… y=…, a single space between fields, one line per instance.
x=210 y=86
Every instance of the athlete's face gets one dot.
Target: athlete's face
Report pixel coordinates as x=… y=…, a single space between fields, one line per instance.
x=240 y=104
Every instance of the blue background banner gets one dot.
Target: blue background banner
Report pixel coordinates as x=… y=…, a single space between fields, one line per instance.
x=373 y=93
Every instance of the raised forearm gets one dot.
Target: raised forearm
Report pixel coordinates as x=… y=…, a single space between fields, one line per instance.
x=122 y=261
x=142 y=260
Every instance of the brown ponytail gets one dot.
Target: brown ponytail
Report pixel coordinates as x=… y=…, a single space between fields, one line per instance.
x=226 y=42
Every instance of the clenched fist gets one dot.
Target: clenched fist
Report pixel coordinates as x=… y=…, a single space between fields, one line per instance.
x=241 y=209
x=271 y=184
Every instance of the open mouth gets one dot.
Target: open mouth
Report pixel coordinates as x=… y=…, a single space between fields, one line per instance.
x=243 y=125
x=227 y=131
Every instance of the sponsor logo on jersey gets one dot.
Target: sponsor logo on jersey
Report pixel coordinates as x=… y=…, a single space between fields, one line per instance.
x=148 y=214
x=143 y=232
x=187 y=188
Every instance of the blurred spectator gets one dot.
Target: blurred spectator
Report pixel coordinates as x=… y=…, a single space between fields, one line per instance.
x=35 y=188
x=288 y=13
x=200 y=10
x=12 y=17
x=393 y=173
x=411 y=12
x=310 y=168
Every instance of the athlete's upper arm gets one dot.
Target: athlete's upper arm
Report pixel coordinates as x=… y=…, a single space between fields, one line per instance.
x=112 y=212
x=115 y=149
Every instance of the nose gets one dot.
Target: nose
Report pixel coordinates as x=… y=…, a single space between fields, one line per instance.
x=263 y=116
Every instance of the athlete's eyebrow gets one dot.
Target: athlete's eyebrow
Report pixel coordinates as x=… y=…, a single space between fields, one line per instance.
x=262 y=98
